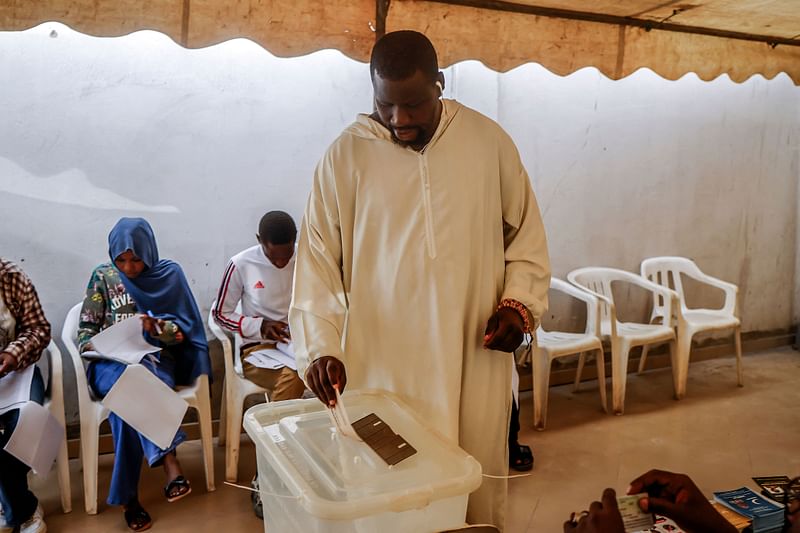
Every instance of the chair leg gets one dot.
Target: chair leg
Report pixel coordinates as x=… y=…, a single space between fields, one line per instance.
x=62 y=459
x=737 y=336
x=541 y=387
x=643 y=359
x=62 y=464
x=619 y=374
x=234 y=424
x=89 y=451
x=579 y=371
x=222 y=433
x=680 y=362
x=601 y=378
x=206 y=433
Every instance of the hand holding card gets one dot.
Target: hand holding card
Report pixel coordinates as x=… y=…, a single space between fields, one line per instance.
x=678 y=498
x=602 y=517
x=634 y=518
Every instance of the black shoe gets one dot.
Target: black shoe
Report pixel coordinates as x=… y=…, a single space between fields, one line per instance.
x=520 y=457
x=255 y=499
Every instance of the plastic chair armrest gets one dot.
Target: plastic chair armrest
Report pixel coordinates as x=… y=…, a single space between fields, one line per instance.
x=225 y=341
x=219 y=334
x=730 y=290
x=670 y=297
x=592 y=308
x=599 y=300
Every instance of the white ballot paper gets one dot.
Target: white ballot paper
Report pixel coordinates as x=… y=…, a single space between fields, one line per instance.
x=15 y=389
x=123 y=342
x=147 y=404
x=274 y=358
x=36 y=437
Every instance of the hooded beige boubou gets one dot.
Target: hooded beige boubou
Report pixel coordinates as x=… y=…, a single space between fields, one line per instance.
x=405 y=255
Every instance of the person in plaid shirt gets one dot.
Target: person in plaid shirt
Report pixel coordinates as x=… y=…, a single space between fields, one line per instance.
x=24 y=334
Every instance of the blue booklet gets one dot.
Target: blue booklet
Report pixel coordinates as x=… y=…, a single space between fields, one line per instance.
x=766 y=514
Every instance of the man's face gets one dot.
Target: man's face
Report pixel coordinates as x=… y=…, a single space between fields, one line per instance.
x=129 y=264
x=278 y=254
x=409 y=108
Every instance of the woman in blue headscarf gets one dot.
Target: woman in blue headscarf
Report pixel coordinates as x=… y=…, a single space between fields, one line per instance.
x=137 y=282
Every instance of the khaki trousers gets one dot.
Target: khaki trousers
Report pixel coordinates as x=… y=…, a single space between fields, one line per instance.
x=283 y=383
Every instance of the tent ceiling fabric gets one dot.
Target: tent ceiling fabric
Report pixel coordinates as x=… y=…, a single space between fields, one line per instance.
x=286 y=28
x=779 y=18
x=502 y=38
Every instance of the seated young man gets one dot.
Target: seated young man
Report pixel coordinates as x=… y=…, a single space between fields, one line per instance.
x=261 y=277
x=24 y=334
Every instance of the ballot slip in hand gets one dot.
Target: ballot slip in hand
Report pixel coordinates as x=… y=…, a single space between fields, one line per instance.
x=633 y=517
x=339 y=418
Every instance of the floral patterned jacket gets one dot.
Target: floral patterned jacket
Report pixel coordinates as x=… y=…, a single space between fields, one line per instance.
x=106 y=303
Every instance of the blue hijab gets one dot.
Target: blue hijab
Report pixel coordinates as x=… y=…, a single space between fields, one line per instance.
x=162 y=289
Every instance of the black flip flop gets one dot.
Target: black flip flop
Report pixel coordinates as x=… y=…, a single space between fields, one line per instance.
x=520 y=457
x=138 y=519
x=180 y=482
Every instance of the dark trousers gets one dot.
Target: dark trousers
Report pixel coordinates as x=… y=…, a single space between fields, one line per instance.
x=513 y=430
x=17 y=501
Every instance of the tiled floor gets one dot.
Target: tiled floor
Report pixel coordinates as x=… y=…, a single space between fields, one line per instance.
x=720 y=434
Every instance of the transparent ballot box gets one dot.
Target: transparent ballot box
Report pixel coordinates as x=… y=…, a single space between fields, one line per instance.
x=315 y=479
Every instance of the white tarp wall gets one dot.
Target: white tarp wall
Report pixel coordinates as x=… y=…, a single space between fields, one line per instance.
x=202 y=142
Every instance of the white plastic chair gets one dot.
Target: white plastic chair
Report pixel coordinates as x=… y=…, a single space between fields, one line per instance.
x=553 y=344
x=55 y=404
x=625 y=335
x=667 y=271
x=236 y=391
x=92 y=414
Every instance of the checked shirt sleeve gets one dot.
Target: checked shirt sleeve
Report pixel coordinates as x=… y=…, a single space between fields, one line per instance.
x=33 y=329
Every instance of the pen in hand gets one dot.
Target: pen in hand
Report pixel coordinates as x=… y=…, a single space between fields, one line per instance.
x=157 y=327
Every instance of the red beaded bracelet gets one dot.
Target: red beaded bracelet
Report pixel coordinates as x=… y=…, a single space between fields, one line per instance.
x=519 y=308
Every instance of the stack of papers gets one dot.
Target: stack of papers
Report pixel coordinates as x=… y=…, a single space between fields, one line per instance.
x=775 y=487
x=767 y=516
x=273 y=358
x=739 y=521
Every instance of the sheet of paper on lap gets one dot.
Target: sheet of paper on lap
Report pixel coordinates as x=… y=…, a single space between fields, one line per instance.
x=274 y=358
x=36 y=438
x=147 y=404
x=15 y=389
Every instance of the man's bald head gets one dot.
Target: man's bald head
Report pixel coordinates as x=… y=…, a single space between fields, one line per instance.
x=400 y=54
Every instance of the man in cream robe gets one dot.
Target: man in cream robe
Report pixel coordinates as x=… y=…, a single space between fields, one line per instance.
x=404 y=255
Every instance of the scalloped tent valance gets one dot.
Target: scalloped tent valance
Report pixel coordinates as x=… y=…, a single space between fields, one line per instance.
x=740 y=38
